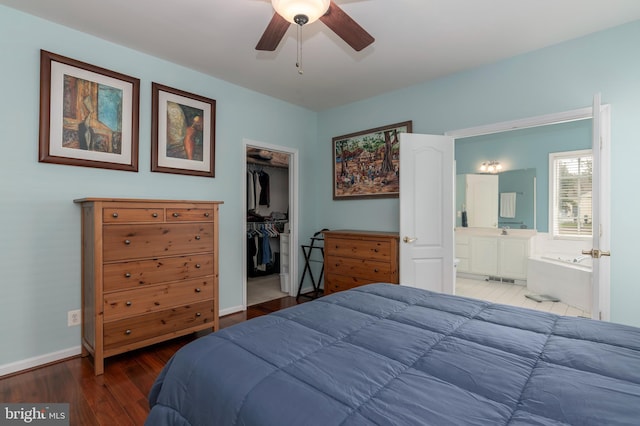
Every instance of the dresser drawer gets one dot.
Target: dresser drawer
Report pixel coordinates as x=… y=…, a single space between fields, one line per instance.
x=131 y=330
x=361 y=268
x=122 y=242
x=189 y=215
x=122 y=304
x=123 y=215
x=364 y=249
x=334 y=283
x=125 y=275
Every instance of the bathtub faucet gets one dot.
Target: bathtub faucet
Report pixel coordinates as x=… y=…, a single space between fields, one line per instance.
x=504 y=230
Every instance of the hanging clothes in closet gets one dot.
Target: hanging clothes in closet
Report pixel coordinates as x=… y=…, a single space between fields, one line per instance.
x=251 y=191
x=263 y=178
x=258 y=191
x=260 y=257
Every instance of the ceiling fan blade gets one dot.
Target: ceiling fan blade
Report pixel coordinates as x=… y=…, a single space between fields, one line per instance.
x=346 y=28
x=273 y=34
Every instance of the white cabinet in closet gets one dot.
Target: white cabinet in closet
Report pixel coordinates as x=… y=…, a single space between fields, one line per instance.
x=285 y=280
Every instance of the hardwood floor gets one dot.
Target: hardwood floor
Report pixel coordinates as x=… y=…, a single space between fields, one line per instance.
x=119 y=396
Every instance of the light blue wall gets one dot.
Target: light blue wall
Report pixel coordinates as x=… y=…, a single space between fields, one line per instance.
x=40 y=224
x=555 y=79
x=525 y=149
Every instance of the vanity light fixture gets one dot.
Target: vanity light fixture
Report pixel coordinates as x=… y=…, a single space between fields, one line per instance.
x=491 y=167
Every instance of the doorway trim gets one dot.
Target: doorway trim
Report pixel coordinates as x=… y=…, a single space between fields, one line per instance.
x=293 y=211
x=605 y=169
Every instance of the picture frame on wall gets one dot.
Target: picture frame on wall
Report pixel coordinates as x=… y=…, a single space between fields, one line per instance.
x=366 y=164
x=183 y=132
x=89 y=116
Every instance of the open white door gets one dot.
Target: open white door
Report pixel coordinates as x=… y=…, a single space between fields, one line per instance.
x=601 y=205
x=426 y=212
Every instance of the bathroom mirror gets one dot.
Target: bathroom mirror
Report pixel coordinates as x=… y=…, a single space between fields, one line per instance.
x=520 y=150
x=499 y=200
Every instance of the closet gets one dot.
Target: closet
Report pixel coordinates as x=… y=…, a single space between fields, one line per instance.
x=267 y=227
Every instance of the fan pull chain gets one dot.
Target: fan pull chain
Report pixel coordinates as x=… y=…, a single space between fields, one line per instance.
x=299 y=58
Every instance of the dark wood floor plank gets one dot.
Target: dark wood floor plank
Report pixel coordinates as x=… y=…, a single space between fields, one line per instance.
x=119 y=383
x=119 y=396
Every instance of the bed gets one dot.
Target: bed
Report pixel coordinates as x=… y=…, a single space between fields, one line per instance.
x=393 y=355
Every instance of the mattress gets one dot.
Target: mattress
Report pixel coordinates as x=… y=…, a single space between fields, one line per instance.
x=385 y=354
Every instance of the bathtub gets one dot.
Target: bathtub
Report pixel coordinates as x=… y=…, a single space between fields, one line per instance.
x=566 y=277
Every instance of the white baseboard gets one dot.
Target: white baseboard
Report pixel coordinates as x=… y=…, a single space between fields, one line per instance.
x=36 y=361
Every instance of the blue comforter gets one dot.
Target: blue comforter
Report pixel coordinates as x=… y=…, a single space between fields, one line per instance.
x=391 y=355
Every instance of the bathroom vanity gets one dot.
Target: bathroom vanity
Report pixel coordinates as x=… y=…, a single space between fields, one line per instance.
x=490 y=253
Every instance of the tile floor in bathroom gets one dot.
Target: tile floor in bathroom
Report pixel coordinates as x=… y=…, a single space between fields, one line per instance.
x=512 y=294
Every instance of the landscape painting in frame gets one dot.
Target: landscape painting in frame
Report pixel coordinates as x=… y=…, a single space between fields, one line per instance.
x=182 y=133
x=366 y=164
x=88 y=115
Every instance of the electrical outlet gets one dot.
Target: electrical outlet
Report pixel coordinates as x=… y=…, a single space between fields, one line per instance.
x=73 y=318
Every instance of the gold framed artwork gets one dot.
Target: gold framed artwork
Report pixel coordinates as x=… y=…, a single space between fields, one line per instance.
x=182 y=132
x=366 y=164
x=88 y=115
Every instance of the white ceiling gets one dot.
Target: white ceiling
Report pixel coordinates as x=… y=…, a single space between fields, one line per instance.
x=416 y=40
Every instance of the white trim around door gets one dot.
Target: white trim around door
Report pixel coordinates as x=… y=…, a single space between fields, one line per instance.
x=293 y=211
x=605 y=173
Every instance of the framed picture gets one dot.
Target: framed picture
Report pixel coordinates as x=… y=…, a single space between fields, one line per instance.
x=183 y=132
x=366 y=164
x=88 y=115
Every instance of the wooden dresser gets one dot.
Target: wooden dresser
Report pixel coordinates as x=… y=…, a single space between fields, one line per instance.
x=355 y=258
x=149 y=272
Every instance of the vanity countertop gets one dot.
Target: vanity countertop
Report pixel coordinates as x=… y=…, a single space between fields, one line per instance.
x=515 y=233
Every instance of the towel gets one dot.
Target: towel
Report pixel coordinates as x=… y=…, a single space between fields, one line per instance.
x=508 y=204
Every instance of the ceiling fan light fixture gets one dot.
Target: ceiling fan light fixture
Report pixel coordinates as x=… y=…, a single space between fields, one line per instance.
x=312 y=9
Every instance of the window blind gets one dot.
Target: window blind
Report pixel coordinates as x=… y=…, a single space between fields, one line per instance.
x=571 y=204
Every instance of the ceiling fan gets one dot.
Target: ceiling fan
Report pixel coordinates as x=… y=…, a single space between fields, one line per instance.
x=302 y=12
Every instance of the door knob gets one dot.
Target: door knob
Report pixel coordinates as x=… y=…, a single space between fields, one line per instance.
x=409 y=240
x=596 y=254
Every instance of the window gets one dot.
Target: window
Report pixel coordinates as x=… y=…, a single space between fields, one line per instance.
x=570 y=183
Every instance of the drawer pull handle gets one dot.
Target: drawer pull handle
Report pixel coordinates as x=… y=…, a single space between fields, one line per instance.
x=127 y=242
x=375 y=270
x=127 y=275
x=198 y=314
x=376 y=250
x=197 y=237
x=127 y=332
x=115 y=214
x=176 y=215
x=154 y=214
x=206 y=214
x=198 y=266
x=128 y=303
x=198 y=290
